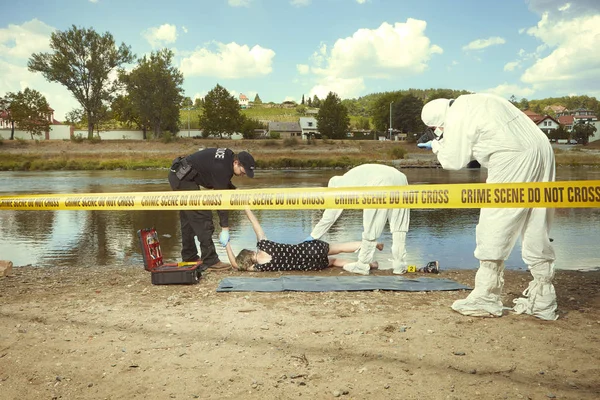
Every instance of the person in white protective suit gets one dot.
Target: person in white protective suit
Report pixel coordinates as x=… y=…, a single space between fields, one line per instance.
x=374 y=220
x=502 y=138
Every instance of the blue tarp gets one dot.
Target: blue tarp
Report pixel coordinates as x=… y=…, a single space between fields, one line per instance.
x=297 y=283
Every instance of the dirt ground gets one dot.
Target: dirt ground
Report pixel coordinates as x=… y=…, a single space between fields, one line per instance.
x=86 y=333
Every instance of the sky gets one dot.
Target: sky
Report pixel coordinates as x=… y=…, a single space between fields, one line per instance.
x=284 y=49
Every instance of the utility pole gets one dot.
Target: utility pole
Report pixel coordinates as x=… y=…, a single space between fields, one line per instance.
x=391 y=120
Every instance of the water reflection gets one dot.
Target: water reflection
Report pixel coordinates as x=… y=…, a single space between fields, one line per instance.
x=105 y=238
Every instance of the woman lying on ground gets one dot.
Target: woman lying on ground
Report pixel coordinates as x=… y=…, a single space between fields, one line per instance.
x=305 y=256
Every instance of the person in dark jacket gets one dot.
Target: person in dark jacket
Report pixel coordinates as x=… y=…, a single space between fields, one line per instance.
x=210 y=168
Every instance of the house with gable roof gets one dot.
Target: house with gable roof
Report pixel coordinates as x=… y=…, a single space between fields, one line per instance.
x=286 y=130
x=243 y=100
x=309 y=127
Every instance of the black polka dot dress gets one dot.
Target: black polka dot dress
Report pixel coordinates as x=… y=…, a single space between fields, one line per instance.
x=305 y=256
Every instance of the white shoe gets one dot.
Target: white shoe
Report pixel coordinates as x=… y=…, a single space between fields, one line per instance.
x=539 y=298
x=539 y=301
x=478 y=307
x=358 y=268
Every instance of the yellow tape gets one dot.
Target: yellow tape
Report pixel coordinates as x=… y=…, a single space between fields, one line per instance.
x=576 y=194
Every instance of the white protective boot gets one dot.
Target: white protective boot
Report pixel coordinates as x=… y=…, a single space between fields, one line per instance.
x=399 y=252
x=365 y=256
x=540 y=297
x=484 y=300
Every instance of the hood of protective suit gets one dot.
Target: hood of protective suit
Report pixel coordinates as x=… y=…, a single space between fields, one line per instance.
x=335 y=181
x=434 y=113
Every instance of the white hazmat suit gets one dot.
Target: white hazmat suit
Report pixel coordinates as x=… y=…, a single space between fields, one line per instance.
x=374 y=220
x=502 y=138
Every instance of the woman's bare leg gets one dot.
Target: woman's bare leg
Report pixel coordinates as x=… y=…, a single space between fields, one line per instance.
x=339 y=262
x=347 y=247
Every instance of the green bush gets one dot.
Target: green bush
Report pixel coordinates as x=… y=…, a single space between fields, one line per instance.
x=77 y=138
x=270 y=143
x=167 y=137
x=275 y=135
x=95 y=139
x=290 y=142
x=397 y=153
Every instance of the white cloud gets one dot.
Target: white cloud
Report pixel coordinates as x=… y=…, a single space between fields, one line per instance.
x=303 y=69
x=507 y=90
x=17 y=44
x=158 y=37
x=229 y=61
x=20 y=41
x=511 y=66
x=93 y=1
x=345 y=88
x=184 y=29
x=382 y=53
x=481 y=44
x=362 y=1
x=573 y=63
x=300 y=3
x=239 y=3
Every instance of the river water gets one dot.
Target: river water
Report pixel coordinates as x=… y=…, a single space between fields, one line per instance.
x=109 y=238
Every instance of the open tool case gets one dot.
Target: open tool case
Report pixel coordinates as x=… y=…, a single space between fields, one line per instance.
x=169 y=273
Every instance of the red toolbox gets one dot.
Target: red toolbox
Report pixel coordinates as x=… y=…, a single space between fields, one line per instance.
x=166 y=274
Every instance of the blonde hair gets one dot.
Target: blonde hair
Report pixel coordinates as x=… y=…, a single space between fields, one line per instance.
x=244 y=259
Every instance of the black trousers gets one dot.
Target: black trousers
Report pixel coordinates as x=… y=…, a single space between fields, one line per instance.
x=195 y=223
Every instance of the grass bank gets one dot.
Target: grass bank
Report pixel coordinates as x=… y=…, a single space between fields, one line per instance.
x=31 y=155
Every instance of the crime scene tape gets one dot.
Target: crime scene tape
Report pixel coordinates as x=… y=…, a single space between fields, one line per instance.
x=567 y=194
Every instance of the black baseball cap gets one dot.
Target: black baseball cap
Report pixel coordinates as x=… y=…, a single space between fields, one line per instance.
x=248 y=163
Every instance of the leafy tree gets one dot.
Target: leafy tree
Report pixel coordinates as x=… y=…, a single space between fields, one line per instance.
x=125 y=112
x=407 y=114
x=523 y=104
x=154 y=87
x=82 y=60
x=199 y=103
x=363 y=123
x=302 y=100
x=513 y=100
x=257 y=99
x=380 y=110
x=221 y=113
x=309 y=102
x=582 y=132
x=76 y=117
x=316 y=102
x=558 y=133
x=249 y=126
x=187 y=102
x=332 y=119
x=30 y=110
x=6 y=114
x=301 y=109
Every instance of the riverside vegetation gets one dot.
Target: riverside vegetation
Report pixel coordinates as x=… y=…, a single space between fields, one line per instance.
x=48 y=155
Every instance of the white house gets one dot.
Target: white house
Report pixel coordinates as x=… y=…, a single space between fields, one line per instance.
x=547 y=124
x=309 y=128
x=243 y=101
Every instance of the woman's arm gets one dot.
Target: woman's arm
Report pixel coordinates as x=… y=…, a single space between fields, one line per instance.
x=260 y=234
x=231 y=256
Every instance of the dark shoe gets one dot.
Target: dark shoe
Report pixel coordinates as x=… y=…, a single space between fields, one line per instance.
x=192 y=259
x=220 y=266
x=432 y=267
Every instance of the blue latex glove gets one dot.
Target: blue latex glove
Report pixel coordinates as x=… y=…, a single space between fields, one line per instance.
x=224 y=237
x=425 y=145
x=309 y=238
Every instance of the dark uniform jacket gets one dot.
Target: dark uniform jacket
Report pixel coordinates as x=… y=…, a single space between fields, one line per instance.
x=214 y=169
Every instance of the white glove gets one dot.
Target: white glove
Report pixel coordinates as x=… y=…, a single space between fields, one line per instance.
x=425 y=145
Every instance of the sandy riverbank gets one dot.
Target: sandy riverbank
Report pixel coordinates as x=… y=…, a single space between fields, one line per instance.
x=88 y=333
